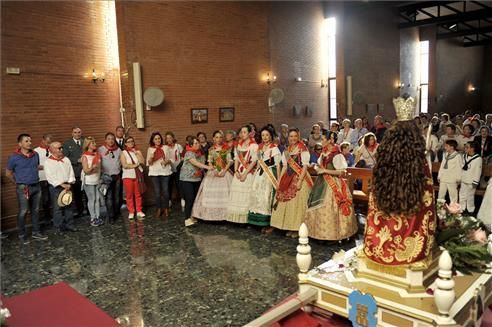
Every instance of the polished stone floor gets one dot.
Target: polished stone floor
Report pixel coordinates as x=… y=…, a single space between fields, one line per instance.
x=159 y=273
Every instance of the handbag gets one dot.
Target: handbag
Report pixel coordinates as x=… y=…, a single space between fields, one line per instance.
x=139 y=175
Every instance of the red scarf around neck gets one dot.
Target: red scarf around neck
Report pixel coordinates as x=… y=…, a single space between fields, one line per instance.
x=57 y=159
x=96 y=159
x=158 y=153
x=300 y=145
x=29 y=155
x=190 y=149
x=251 y=141
x=110 y=149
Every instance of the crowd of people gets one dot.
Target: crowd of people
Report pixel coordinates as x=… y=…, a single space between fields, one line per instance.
x=251 y=176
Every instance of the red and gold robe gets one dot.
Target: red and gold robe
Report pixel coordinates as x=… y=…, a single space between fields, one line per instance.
x=399 y=239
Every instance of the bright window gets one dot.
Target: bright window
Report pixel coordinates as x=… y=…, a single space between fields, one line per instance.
x=424 y=76
x=331 y=30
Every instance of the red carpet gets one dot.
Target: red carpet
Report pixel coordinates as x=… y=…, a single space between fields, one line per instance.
x=302 y=319
x=58 y=305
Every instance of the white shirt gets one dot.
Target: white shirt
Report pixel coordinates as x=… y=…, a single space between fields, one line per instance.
x=117 y=140
x=130 y=172
x=79 y=142
x=92 y=179
x=474 y=171
x=175 y=155
x=157 y=168
x=42 y=159
x=59 y=172
x=451 y=174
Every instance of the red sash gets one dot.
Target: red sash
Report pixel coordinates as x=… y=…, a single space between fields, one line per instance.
x=298 y=170
x=343 y=202
x=158 y=153
x=243 y=161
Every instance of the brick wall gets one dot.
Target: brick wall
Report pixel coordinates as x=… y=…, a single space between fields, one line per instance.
x=54 y=45
x=201 y=54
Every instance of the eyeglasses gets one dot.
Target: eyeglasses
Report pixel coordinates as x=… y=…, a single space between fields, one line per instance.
x=130 y=141
x=112 y=154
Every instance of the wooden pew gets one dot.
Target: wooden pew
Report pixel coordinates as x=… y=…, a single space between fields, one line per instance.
x=365 y=176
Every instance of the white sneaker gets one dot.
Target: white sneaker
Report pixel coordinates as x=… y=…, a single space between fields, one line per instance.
x=190 y=221
x=183 y=205
x=140 y=215
x=131 y=216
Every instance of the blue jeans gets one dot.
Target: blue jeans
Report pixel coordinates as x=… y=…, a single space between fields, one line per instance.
x=25 y=204
x=62 y=216
x=161 y=190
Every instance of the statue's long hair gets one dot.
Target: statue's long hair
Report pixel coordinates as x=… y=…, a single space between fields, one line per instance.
x=399 y=174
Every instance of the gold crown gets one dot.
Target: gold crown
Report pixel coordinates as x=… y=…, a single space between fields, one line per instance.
x=405 y=108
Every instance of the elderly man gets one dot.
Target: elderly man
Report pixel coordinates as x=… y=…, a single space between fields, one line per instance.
x=72 y=149
x=283 y=138
x=22 y=169
x=111 y=169
x=60 y=176
x=358 y=132
x=43 y=151
x=379 y=128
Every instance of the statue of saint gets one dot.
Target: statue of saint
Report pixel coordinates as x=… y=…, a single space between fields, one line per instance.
x=401 y=219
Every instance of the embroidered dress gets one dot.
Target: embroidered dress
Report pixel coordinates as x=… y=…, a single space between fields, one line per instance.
x=262 y=191
x=239 y=197
x=291 y=204
x=401 y=239
x=330 y=213
x=211 y=202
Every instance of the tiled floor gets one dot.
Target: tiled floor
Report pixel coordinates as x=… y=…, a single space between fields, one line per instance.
x=159 y=273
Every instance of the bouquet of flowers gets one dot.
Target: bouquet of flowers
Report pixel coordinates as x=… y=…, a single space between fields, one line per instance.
x=463 y=237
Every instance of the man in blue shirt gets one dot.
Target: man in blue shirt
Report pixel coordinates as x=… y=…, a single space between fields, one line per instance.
x=22 y=169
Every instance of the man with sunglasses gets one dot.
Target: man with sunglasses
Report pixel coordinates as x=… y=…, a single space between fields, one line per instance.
x=43 y=151
x=22 y=169
x=111 y=175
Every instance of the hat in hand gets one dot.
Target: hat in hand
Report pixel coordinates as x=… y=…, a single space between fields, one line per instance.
x=65 y=198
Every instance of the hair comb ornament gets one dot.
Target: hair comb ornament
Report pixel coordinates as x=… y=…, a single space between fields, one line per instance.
x=405 y=108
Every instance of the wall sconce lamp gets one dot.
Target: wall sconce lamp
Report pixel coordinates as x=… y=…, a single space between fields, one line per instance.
x=471 y=88
x=400 y=85
x=324 y=83
x=97 y=77
x=271 y=79
x=299 y=79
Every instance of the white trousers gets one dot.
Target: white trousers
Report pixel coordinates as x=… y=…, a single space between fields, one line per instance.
x=467 y=197
x=452 y=188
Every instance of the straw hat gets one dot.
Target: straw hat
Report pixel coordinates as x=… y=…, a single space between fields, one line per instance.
x=64 y=198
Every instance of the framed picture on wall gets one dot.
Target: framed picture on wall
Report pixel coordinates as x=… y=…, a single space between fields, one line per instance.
x=199 y=115
x=226 y=114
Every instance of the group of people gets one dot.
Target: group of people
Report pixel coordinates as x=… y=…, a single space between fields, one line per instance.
x=256 y=177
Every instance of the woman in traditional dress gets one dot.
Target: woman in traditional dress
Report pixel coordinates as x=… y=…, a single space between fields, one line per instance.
x=191 y=174
x=294 y=187
x=244 y=162
x=211 y=201
x=265 y=180
x=330 y=214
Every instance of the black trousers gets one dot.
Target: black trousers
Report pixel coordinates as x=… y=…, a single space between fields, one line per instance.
x=78 y=196
x=45 y=200
x=113 y=197
x=189 y=189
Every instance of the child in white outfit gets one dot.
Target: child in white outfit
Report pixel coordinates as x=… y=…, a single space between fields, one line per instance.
x=449 y=175
x=472 y=170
